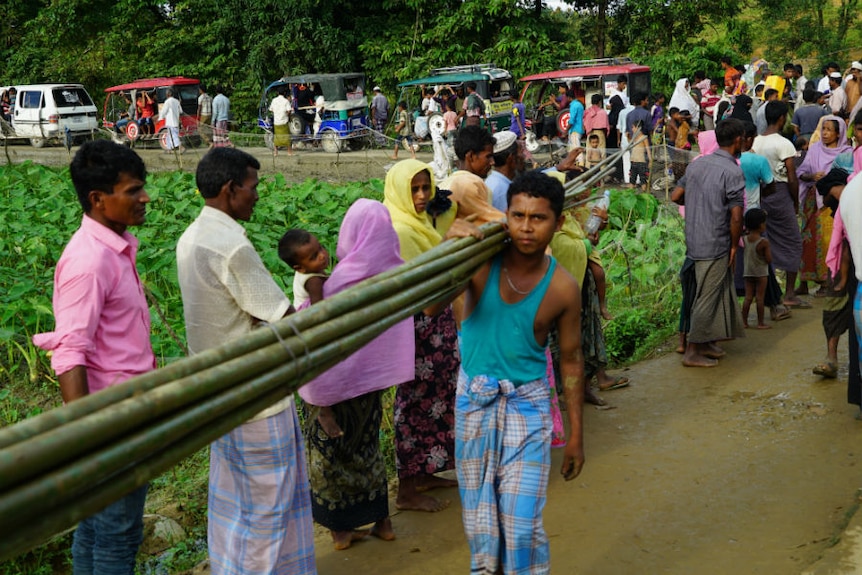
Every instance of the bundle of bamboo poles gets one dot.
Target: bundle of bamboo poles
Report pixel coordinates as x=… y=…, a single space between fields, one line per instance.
x=62 y=466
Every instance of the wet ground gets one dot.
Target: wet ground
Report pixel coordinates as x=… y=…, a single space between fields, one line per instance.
x=750 y=467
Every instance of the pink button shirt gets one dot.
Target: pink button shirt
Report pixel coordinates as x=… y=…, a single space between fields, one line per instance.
x=101 y=314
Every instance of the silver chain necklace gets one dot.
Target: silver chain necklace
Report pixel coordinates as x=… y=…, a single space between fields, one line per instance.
x=511 y=285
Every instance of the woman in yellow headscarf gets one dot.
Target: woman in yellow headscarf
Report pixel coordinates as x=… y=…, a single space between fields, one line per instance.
x=424 y=417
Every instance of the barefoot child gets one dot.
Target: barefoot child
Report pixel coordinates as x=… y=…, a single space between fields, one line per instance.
x=403 y=130
x=758 y=256
x=302 y=251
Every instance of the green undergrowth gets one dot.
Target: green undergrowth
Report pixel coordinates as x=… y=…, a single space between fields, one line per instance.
x=642 y=251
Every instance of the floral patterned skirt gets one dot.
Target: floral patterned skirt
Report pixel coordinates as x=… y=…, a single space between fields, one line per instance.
x=347 y=473
x=424 y=415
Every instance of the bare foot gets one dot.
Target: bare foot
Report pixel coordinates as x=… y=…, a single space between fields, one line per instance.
x=383 y=530
x=420 y=502
x=606 y=314
x=430 y=482
x=697 y=360
x=682 y=343
x=326 y=418
x=591 y=397
x=763 y=326
x=393 y=157
x=745 y=325
x=344 y=539
x=712 y=351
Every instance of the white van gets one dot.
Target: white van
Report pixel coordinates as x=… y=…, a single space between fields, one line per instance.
x=44 y=112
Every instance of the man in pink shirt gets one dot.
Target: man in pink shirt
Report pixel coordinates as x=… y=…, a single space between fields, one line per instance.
x=102 y=331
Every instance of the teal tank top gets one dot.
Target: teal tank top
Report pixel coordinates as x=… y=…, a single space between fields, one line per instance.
x=497 y=339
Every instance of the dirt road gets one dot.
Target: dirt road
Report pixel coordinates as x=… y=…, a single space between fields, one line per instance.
x=344 y=167
x=750 y=467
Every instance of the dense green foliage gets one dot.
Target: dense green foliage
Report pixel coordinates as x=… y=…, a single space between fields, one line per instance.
x=39 y=229
x=245 y=45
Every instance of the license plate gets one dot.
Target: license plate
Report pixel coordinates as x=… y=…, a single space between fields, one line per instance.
x=77 y=119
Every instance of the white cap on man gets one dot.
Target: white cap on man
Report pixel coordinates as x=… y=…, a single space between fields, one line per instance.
x=376 y=89
x=503 y=140
x=856 y=65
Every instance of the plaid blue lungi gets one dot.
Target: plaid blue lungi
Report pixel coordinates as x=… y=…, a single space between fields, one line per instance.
x=503 y=458
x=259 y=500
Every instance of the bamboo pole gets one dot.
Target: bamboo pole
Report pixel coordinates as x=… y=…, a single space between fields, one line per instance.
x=359 y=296
x=30 y=457
x=162 y=453
x=144 y=426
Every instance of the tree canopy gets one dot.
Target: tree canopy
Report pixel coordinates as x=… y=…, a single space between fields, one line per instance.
x=245 y=44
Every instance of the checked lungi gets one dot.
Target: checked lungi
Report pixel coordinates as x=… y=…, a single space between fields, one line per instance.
x=221 y=138
x=259 y=500
x=503 y=457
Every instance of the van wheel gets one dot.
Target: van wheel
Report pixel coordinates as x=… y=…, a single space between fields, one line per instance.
x=331 y=142
x=133 y=131
x=296 y=125
x=37 y=142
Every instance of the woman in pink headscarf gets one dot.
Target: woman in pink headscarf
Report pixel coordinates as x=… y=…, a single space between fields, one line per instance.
x=345 y=467
x=818 y=220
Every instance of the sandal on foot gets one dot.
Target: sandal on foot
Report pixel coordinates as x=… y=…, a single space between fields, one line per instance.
x=780 y=313
x=617 y=383
x=827 y=369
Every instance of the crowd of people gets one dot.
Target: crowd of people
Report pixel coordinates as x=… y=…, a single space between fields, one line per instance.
x=490 y=412
x=489 y=408
x=761 y=198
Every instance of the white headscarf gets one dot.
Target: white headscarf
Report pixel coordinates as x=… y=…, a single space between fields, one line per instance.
x=682 y=100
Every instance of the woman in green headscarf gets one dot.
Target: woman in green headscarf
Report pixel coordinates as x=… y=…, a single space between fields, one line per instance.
x=424 y=418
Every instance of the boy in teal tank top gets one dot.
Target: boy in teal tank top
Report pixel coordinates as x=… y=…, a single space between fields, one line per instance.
x=502 y=408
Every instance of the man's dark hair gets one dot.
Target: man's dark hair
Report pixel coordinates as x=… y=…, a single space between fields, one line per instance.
x=537 y=184
x=402 y=104
x=798 y=68
x=657 y=96
x=759 y=89
x=290 y=243
x=700 y=75
x=639 y=97
x=673 y=111
x=789 y=67
x=857 y=121
x=750 y=129
x=471 y=86
x=596 y=99
x=621 y=78
x=219 y=89
x=97 y=165
x=220 y=166
x=429 y=91
x=754 y=218
x=727 y=130
x=503 y=155
x=834 y=65
x=472 y=139
x=774 y=111
x=770 y=93
x=809 y=95
x=726 y=60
